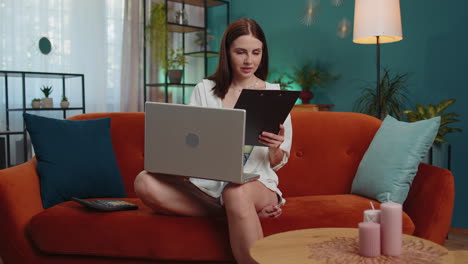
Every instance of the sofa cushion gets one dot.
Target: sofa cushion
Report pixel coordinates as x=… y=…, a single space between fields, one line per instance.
x=75 y=159
x=391 y=162
x=69 y=228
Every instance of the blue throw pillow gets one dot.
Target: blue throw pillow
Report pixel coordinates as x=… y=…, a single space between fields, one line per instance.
x=75 y=159
x=391 y=162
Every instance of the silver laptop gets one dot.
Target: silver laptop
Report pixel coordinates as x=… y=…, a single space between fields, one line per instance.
x=194 y=141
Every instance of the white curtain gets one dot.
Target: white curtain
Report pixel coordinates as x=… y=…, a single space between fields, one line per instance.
x=86 y=38
x=132 y=58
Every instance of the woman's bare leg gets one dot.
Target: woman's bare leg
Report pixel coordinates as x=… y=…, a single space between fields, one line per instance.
x=242 y=203
x=173 y=195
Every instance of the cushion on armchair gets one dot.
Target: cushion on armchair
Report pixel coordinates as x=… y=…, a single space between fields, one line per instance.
x=75 y=159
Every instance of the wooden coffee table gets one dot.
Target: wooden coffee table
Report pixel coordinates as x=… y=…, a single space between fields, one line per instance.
x=340 y=245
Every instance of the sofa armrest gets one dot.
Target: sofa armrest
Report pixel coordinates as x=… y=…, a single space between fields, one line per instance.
x=430 y=202
x=20 y=200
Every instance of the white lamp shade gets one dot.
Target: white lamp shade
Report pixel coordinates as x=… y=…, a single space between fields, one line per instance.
x=374 y=18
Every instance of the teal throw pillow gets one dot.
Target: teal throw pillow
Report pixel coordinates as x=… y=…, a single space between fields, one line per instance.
x=391 y=162
x=74 y=159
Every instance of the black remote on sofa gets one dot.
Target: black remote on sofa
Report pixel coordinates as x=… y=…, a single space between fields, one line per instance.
x=106 y=205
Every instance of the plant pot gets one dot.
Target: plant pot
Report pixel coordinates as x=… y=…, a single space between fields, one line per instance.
x=36 y=104
x=306 y=96
x=64 y=104
x=439 y=155
x=175 y=76
x=47 y=103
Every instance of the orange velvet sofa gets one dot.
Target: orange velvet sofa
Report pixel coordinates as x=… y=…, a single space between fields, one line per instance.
x=327 y=148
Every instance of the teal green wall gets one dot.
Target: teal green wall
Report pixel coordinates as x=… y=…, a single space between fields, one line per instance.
x=433 y=50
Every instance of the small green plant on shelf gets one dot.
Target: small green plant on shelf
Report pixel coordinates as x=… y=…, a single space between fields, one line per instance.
x=423 y=113
x=46 y=90
x=176 y=59
x=157 y=34
x=175 y=62
x=47 y=102
x=200 y=39
x=36 y=103
x=64 y=103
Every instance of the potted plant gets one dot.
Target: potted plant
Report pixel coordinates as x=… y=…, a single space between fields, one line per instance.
x=283 y=81
x=440 y=149
x=423 y=113
x=393 y=97
x=200 y=39
x=46 y=101
x=157 y=35
x=309 y=77
x=36 y=103
x=64 y=103
x=175 y=62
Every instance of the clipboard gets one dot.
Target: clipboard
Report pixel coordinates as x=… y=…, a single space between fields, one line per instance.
x=265 y=111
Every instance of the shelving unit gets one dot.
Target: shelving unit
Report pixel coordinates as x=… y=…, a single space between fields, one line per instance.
x=5 y=132
x=183 y=29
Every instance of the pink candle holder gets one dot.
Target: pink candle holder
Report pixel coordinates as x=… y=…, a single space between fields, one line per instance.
x=369 y=239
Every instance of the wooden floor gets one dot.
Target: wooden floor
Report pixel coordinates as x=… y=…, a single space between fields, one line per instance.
x=457 y=242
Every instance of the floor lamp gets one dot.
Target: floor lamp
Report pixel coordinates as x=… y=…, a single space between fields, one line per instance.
x=377 y=22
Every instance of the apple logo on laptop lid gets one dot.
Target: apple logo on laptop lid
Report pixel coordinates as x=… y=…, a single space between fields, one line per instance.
x=192 y=140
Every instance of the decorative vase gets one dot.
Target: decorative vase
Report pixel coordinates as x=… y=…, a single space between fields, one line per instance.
x=175 y=76
x=181 y=17
x=305 y=96
x=64 y=104
x=47 y=102
x=36 y=104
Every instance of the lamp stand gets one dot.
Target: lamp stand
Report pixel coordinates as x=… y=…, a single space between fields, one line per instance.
x=379 y=96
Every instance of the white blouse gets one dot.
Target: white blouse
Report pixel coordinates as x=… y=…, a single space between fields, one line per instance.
x=258 y=162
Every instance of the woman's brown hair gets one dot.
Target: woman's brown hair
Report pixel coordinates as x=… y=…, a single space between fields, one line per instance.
x=223 y=75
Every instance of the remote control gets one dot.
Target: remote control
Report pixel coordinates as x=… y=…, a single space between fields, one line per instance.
x=106 y=205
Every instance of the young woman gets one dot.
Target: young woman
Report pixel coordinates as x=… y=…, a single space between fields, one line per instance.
x=243 y=64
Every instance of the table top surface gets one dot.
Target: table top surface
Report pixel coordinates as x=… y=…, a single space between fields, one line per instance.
x=340 y=245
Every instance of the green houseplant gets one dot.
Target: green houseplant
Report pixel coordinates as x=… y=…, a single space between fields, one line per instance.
x=46 y=101
x=175 y=62
x=282 y=79
x=156 y=34
x=310 y=76
x=200 y=39
x=393 y=100
x=64 y=103
x=36 y=103
x=439 y=152
x=430 y=111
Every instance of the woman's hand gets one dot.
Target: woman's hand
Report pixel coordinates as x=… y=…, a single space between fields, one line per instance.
x=273 y=142
x=270 y=211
